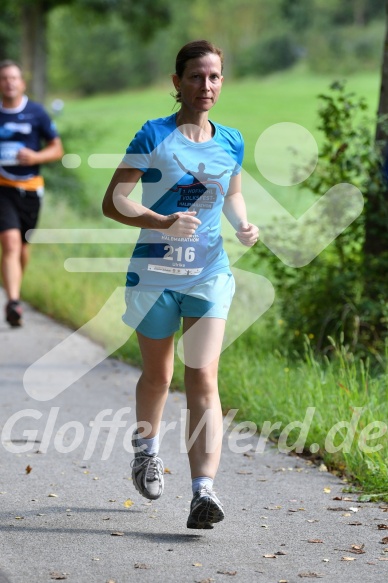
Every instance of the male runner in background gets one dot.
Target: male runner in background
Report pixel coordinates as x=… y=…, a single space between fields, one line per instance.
x=28 y=138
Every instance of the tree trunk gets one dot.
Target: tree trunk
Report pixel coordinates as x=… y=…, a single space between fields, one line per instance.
x=383 y=101
x=34 y=55
x=359 y=9
x=375 y=256
x=376 y=211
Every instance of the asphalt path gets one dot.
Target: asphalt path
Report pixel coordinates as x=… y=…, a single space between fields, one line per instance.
x=69 y=510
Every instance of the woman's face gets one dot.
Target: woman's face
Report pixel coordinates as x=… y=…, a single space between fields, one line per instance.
x=200 y=84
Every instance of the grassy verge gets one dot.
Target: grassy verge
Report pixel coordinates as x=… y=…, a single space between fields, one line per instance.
x=331 y=411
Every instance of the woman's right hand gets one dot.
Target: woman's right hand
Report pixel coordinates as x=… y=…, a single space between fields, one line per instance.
x=182 y=224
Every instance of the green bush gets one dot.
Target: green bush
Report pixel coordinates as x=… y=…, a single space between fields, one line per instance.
x=330 y=296
x=346 y=49
x=274 y=53
x=91 y=55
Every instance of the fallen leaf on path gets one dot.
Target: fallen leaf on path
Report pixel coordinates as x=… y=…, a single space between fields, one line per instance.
x=141 y=566
x=384 y=541
x=208 y=580
x=269 y=556
x=19 y=517
x=117 y=534
x=167 y=471
x=28 y=469
x=348 y=559
x=315 y=540
x=58 y=576
x=52 y=496
x=336 y=509
x=327 y=490
x=227 y=572
x=322 y=468
x=244 y=472
x=382 y=526
x=355 y=523
x=358 y=549
x=128 y=503
x=280 y=553
x=310 y=574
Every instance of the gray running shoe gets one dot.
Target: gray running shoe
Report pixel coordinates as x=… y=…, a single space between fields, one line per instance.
x=205 y=509
x=147 y=472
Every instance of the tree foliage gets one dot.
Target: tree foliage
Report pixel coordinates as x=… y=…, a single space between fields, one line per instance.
x=258 y=36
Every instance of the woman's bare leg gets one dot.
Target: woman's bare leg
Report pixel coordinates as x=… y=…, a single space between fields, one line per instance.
x=154 y=382
x=202 y=346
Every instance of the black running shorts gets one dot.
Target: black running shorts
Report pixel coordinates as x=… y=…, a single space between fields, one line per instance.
x=19 y=209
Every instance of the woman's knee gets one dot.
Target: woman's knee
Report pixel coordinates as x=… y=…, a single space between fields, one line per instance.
x=201 y=380
x=158 y=383
x=11 y=241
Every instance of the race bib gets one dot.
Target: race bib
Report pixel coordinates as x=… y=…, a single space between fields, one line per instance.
x=176 y=255
x=9 y=152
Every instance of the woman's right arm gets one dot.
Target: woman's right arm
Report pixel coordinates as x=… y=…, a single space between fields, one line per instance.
x=118 y=206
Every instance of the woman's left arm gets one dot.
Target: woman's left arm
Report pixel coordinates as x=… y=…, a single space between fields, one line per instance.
x=236 y=213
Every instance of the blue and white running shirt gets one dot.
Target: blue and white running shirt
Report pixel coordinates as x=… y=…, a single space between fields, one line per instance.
x=181 y=175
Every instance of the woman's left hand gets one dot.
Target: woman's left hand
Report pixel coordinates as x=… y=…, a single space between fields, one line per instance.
x=248 y=234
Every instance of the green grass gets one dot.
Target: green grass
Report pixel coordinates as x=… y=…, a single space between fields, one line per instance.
x=256 y=376
x=267 y=387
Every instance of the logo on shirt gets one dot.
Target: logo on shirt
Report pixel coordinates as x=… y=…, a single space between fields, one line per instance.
x=198 y=194
x=10 y=128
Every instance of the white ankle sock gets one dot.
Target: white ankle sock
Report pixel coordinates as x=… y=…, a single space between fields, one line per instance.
x=151 y=443
x=198 y=483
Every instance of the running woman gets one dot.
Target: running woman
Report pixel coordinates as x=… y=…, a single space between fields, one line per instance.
x=190 y=170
